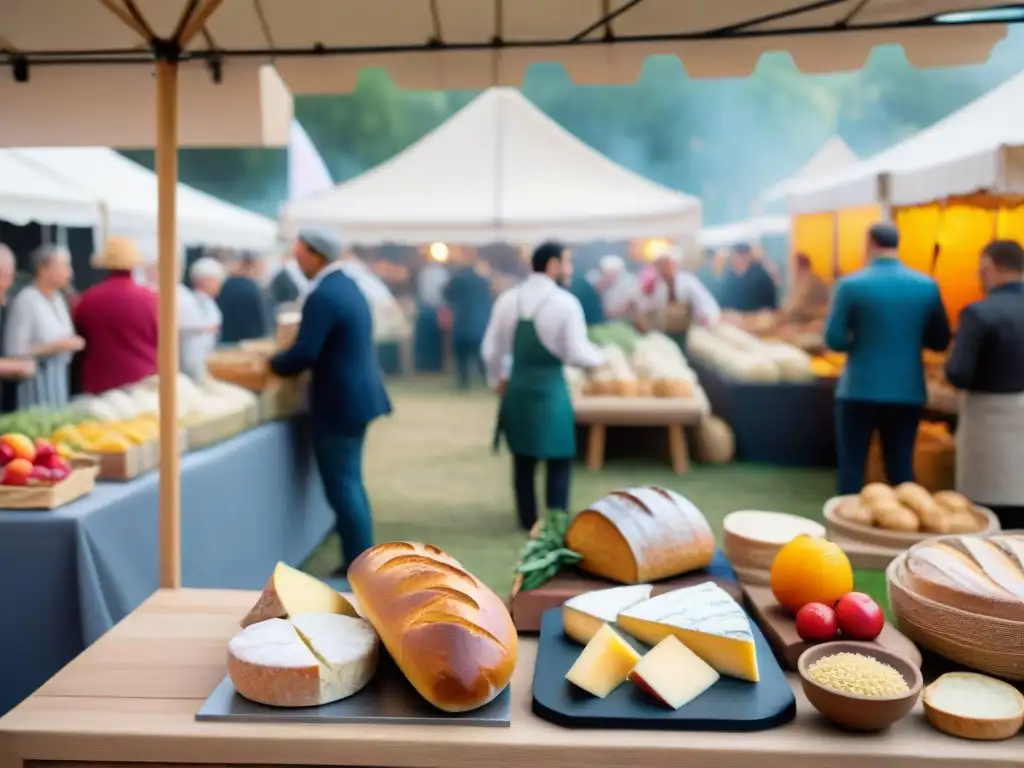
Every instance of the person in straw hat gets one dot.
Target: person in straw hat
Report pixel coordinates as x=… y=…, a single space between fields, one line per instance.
x=118 y=320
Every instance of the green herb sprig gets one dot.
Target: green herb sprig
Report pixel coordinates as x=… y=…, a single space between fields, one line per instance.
x=545 y=554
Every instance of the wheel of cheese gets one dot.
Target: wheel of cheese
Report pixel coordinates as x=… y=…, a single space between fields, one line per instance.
x=314 y=659
x=641 y=534
x=716 y=443
x=978 y=574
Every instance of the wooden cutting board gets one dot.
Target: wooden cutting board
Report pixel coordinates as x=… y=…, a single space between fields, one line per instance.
x=528 y=607
x=779 y=628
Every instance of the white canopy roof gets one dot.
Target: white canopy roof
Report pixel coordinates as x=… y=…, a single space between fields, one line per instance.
x=832 y=157
x=747 y=231
x=499 y=170
x=31 y=193
x=978 y=148
x=128 y=193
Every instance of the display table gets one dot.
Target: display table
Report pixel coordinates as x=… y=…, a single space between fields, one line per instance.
x=69 y=575
x=789 y=424
x=133 y=697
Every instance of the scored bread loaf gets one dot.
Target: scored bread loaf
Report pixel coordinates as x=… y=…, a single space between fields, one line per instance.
x=977 y=574
x=641 y=534
x=451 y=636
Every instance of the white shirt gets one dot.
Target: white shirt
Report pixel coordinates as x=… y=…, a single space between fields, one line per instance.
x=688 y=288
x=431 y=284
x=557 y=317
x=617 y=297
x=195 y=339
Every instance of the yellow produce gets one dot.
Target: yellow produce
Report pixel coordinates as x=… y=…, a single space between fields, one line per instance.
x=810 y=570
x=112 y=443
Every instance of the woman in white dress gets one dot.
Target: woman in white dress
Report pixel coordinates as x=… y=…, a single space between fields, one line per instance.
x=39 y=326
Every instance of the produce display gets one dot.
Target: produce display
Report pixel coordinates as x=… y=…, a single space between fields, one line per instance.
x=28 y=462
x=909 y=508
x=651 y=365
x=745 y=357
x=303 y=645
x=641 y=534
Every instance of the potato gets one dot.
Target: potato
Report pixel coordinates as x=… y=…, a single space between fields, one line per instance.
x=875 y=492
x=854 y=511
x=933 y=517
x=953 y=501
x=644 y=388
x=962 y=521
x=893 y=516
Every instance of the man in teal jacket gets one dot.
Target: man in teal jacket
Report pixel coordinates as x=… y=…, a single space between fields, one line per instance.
x=882 y=317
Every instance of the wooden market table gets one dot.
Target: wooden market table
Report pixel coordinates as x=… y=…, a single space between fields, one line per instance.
x=672 y=413
x=131 y=698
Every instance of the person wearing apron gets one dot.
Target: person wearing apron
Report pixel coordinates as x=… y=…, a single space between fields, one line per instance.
x=542 y=328
x=985 y=363
x=675 y=298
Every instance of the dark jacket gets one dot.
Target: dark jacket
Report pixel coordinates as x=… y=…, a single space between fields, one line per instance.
x=468 y=295
x=335 y=340
x=590 y=300
x=882 y=317
x=986 y=355
x=245 y=313
x=752 y=291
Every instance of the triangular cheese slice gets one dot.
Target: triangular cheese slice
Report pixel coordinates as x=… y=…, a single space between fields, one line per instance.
x=604 y=664
x=584 y=614
x=706 y=620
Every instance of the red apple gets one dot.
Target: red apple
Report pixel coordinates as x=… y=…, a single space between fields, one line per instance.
x=53 y=461
x=59 y=473
x=17 y=472
x=816 y=622
x=859 y=617
x=41 y=475
x=6 y=454
x=44 y=452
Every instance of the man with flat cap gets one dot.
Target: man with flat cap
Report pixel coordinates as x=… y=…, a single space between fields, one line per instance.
x=335 y=342
x=882 y=317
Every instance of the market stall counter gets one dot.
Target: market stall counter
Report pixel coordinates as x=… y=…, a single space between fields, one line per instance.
x=72 y=573
x=133 y=699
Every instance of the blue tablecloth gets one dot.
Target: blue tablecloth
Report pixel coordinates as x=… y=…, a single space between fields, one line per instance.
x=69 y=575
x=787 y=424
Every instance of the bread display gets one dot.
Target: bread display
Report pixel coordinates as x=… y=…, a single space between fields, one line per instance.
x=909 y=508
x=647 y=366
x=743 y=356
x=314 y=659
x=981 y=575
x=640 y=535
x=450 y=635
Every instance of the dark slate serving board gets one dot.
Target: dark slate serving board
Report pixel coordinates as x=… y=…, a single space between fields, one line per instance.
x=388 y=699
x=728 y=705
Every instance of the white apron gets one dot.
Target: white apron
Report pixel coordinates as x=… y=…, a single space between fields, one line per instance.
x=990 y=448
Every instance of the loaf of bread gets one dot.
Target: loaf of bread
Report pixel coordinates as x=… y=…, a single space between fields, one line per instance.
x=977 y=574
x=451 y=636
x=933 y=517
x=640 y=535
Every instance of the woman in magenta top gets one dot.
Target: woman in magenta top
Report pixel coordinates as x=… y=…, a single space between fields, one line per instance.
x=118 y=320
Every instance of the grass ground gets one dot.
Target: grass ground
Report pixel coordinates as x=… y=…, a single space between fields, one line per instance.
x=431 y=477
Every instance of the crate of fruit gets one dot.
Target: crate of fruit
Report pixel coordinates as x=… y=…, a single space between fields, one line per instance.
x=36 y=476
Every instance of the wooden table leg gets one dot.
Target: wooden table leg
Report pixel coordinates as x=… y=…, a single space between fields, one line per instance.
x=678 y=449
x=595 y=446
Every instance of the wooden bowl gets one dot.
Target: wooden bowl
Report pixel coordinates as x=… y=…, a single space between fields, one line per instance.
x=855 y=711
x=899 y=540
x=983 y=643
x=756 y=552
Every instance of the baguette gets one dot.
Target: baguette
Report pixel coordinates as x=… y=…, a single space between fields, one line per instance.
x=451 y=636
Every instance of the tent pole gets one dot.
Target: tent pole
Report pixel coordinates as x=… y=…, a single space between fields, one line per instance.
x=167 y=357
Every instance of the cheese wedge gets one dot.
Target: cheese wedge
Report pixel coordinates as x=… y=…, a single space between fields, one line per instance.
x=289 y=592
x=706 y=620
x=673 y=674
x=585 y=614
x=604 y=664
x=316 y=660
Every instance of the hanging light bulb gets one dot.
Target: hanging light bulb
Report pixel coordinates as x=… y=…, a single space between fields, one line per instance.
x=439 y=252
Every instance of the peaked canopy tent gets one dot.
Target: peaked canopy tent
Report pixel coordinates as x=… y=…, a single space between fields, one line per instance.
x=499 y=170
x=128 y=192
x=951 y=188
x=29 y=192
x=743 y=231
x=832 y=157
x=64 y=54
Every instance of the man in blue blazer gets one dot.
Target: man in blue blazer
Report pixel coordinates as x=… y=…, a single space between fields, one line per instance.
x=882 y=317
x=335 y=341
x=468 y=295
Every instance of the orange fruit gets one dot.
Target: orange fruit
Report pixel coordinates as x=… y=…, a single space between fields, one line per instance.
x=810 y=570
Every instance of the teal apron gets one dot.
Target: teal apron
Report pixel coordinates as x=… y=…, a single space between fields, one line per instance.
x=535 y=416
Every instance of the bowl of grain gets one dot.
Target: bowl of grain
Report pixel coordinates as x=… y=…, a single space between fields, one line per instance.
x=859 y=686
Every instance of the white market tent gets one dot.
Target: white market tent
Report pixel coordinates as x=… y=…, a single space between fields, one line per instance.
x=749 y=231
x=979 y=148
x=499 y=170
x=128 y=194
x=29 y=192
x=834 y=156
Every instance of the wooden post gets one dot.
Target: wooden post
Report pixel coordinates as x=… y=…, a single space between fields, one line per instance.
x=167 y=356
